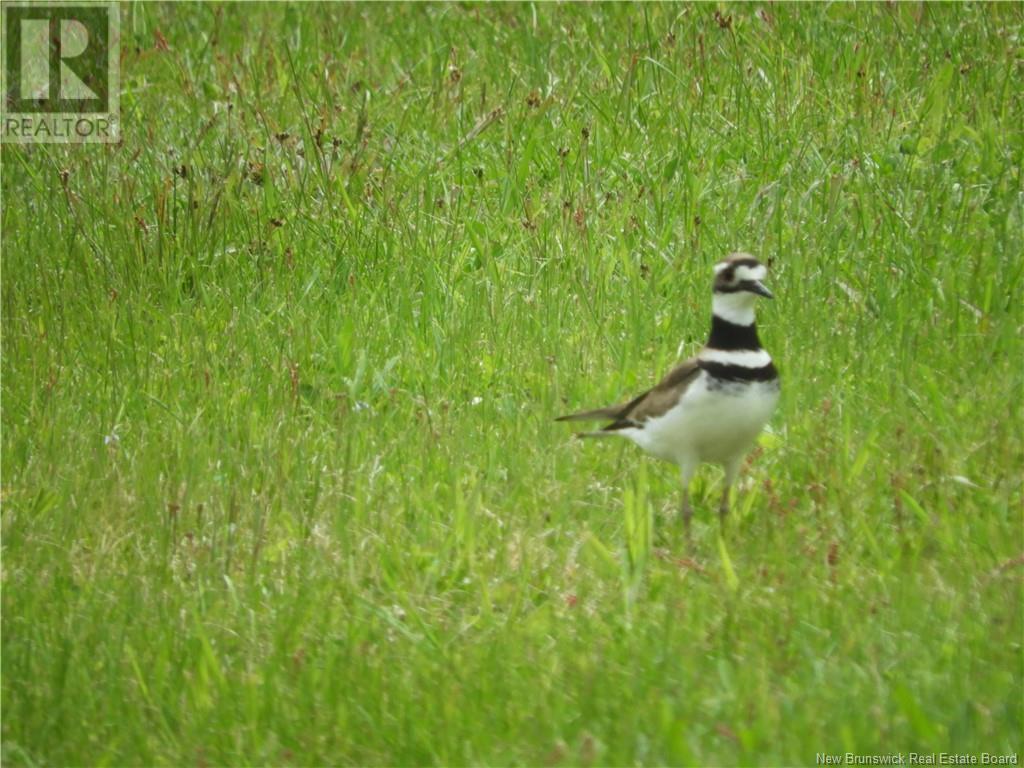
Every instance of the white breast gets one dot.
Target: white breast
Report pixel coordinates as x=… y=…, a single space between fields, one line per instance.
x=714 y=421
x=748 y=358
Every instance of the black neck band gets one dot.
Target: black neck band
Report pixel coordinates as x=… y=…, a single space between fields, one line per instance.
x=726 y=335
x=727 y=372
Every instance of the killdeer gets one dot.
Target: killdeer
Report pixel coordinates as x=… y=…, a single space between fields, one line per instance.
x=712 y=407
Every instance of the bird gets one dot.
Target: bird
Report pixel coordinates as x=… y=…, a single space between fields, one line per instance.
x=712 y=407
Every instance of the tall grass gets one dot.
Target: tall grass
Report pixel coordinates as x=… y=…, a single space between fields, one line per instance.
x=280 y=480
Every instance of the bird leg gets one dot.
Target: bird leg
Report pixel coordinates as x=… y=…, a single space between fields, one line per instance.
x=732 y=469
x=686 y=470
x=685 y=511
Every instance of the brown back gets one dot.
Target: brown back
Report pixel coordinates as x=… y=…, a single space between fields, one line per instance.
x=657 y=401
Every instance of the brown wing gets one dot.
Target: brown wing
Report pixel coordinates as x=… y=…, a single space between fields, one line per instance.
x=665 y=394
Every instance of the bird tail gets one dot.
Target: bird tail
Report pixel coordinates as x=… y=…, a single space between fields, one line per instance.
x=599 y=433
x=609 y=412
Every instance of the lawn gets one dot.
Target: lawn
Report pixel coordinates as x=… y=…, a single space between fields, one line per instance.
x=280 y=479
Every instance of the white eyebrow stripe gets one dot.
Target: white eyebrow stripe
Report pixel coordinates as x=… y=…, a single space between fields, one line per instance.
x=751 y=273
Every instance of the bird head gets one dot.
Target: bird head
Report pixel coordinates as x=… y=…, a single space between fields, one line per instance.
x=741 y=273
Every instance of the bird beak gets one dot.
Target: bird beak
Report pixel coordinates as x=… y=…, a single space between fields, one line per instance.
x=756 y=286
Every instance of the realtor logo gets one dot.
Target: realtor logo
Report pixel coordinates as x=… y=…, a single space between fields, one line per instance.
x=61 y=70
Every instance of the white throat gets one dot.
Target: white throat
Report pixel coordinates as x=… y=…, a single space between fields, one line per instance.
x=736 y=308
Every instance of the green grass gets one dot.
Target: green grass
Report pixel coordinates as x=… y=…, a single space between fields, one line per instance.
x=280 y=479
